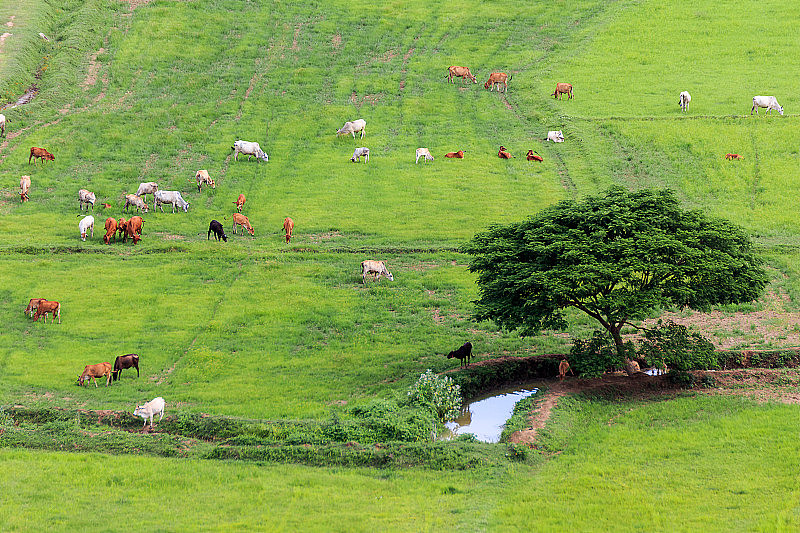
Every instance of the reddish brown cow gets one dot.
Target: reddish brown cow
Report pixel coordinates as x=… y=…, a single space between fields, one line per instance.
x=460 y=72
x=133 y=229
x=33 y=305
x=455 y=155
x=244 y=222
x=106 y=206
x=111 y=230
x=240 y=203
x=502 y=154
x=41 y=153
x=54 y=308
x=562 y=89
x=92 y=372
x=288 y=226
x=496 y=78
x=563 y=367
x=534 y=157
x=731 y=157
x=122 y=226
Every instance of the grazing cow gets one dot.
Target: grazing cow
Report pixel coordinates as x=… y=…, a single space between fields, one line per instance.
x=130 y=360
x=502 y=154
x=563 y=368
x=169 y=197
x=353 y=127
x=122 y=227
x=455 y=155
x=54 y=308
x=460 y=72
x=151 y=408
x=770 y=102
x=219 y=232
x=561 y=90
x=85 y=197
x=138 y=203
x=24 y=187
x=534 y=156
x=463 y=354
x=40 y=153
x=33 y=305
x=111 y=230
x=133 y=229
x=244 y=222
x=288 y=226
x=203 y=177
x=496 y=78
x=92 y=372
x=358 y=153
x=2 y=124
x=249 y=149
x=377 y=269
x=425 y=154
x=146 y=188
x=555 y=136
x=684 y=99
x=730 y=157
x=86 y=223
x=240 y=203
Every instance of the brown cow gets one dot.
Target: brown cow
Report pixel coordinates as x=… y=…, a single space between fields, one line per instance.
x=41 y=153
x=133 y=229
x=54 y=308
x=202 y=177
x=33 y=305
x=105 y=205
x=288 y=226
x=24 y=187
x=563 y=367
x=244 y=222
x=534 y=157
x=92 y=372
x=561 y=89
x=731 y=157
x=111 y=230
x=502 y=154
x=455 y=155
x=496 y=78
x=460 y=72
x=122 y=227
x=240 y=203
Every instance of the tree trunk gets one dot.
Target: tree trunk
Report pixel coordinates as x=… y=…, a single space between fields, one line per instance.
x=631 y=367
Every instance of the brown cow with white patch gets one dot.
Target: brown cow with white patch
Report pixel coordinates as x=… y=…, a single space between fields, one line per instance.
x=111 y=230
x=496 y=78
x=244 y=222
x=92 y=372
x=288 y=226
x=240 y=203
x=54 y=308
x=562 y=89
x=33 y=305
x=24 y=187
x=460 y=72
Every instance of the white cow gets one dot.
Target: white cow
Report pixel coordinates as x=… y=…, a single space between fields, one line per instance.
x=770 y=102
x=684 y=99
x=555 y=136
x=358 y=152
x=249 y=149
x=353 y=127
x=85 y=197
x=376 y=268
x=150 y=409
x=86 y=223
x=425 y=154
x=24 y=187
x=202 y=177
x=146 y=188
x=135 y=201
x=2 y=124
x=169 y=197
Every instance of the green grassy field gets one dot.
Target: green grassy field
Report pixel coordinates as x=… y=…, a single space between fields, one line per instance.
x=258 y=329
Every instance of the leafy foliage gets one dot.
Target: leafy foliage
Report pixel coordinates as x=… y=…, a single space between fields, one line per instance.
x=672 y=344
x=439 y=394
x=592 y=357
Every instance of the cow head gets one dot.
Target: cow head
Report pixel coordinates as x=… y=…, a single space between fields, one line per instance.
x=780 y=110
x=185 y=207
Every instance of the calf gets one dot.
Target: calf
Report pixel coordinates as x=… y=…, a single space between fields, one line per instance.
x=153 y=407
x=377 y=269
x=455 y=155
x=534 y=156
x=111 y=230
x=92 y=372
x=353 y=127
x=122 y=227
x=496 y=78
x=33 y=305
x=202 y=177
x=24 y=187
x=730 y=157
x=288 y=226
x=86 y=224
x=561 y=90
x=502 y=154
x=130 y=360
x=40 y=153
x=463 y=354
x=563 y=367
x=240 y=203
x=138 y=203
x=358 y=153
x=555 y=136
x=105 y=205
x=146 y=188
x=244 y=222
x=683 y=100
x=460 y=72
x=425 y=154
x=219 y=233
x=54 y=308
x=85 y=197
x=133 y=229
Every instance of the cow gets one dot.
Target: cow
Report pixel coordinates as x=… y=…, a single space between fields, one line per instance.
x=455 y=155
x=133 y=229
x=534 y=156
x=555 y=136
x=563 y=368
x=111 y=230
x=92 y=372
x=249 y=149
x=2 y=124
x=40 y=153
x=425 y=154
x=631 y=367
x=460 y=72
x=358 y=153
x=353 y=127
x=105 y=205
x=684 y=99
x=122 y=227
x=138 y=203
x=44 y=307
x=561 y=90
x=496 y=78
x=202 y=177
x=130 y=360
x=149 y=409
x=766 y=101
x=244 y=222
x=33 y=305
x=731 y=157
x=288 y=227
x=24 y=187
x=146 y=188
x=219 y=232
x=86 y=223
x=463 y=354
x=377 y=269
x=502 y=154
x=85 y=197
x=169 y=197
x=240 y=203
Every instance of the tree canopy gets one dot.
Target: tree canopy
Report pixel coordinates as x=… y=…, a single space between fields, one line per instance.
x=615 y=257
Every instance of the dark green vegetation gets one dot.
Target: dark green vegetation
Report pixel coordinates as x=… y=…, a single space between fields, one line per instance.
x=281 y=344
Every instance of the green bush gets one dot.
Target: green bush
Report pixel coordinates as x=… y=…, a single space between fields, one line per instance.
x=674 y=345
x=592 y=357
x=438 y=394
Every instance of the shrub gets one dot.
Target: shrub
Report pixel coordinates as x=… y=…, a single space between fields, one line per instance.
x=672 y=344
x=592 y=357
x=438 y=394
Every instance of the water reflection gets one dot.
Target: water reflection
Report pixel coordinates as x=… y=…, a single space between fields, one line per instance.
x=485 y=416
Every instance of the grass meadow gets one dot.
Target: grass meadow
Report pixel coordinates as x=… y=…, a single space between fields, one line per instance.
x=131 y=92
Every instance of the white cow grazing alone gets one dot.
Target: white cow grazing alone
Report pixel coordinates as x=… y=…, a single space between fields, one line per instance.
x=684 y=99
x=150 y=409
x=249 y=149
x=555 y=136
x=770 y=102
x=358 y=153
x=169 y=197
x=85 y=197
x=377 y=269
x=353 y=127
x=146 y=188
x=425 y=154
x=86 y=223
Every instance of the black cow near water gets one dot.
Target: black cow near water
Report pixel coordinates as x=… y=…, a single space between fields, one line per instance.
x=219 y=232
x=464 y=353
x=125 y=361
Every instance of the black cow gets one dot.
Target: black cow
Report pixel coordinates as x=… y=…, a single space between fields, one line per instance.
x=216 y=227
x=464 y=353
x=125 y=361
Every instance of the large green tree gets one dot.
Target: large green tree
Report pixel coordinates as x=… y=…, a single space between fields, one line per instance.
x=615 y=257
